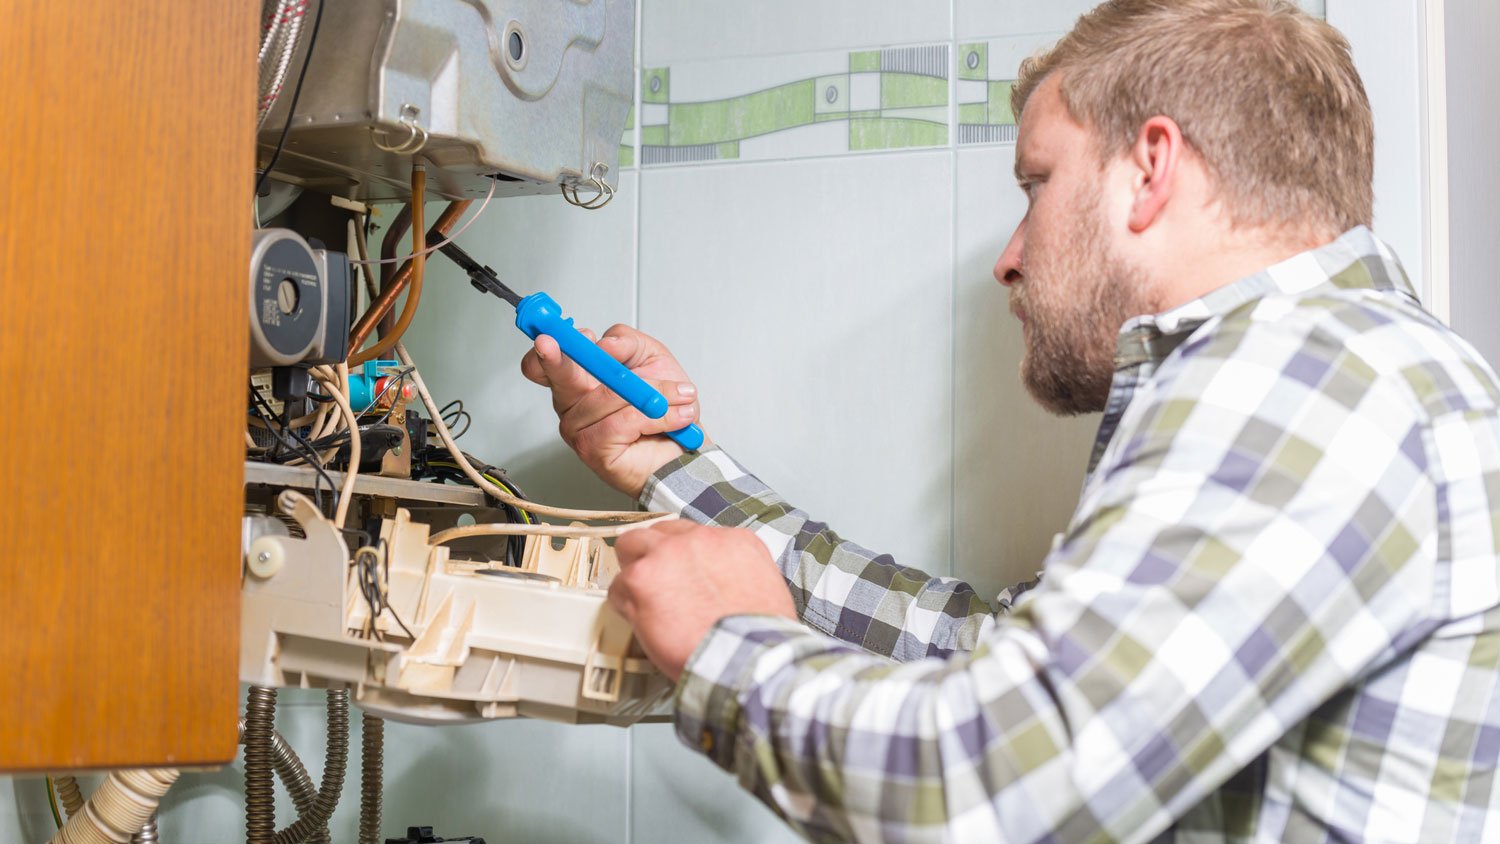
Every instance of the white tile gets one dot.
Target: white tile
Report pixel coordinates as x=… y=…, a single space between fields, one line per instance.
x=673 y=31
x=1006 y=53
x=468 y=347
x=830 y=137
x=720 y=79
x=679 y=796
x=811 y=302
x=987 y=18
x=1018 y=470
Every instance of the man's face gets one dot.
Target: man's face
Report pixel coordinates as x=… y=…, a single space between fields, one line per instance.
x=1068 y=286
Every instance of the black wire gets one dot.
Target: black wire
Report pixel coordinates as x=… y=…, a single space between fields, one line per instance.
x=515 y=547
x=291 y=439
x=365 y=561
x=291 y=110
x=456 y=414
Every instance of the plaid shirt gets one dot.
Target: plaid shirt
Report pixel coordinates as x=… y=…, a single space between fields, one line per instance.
x=1274 y=616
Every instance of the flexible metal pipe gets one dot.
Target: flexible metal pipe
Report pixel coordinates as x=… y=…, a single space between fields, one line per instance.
x=65 y=786
x=311 y=825
x=289 y=769
x=260 y=795
x=371 y=764
x=147 y=835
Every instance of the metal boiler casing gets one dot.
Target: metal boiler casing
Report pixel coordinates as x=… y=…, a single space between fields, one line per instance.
x=534 y=93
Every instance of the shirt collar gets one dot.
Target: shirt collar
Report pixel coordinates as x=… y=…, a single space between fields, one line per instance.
x=1357 y=260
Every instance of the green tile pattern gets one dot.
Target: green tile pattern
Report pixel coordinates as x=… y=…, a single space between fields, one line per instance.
x=760 y=113
x=973 y=61
x=986 y=116
x=890 y=99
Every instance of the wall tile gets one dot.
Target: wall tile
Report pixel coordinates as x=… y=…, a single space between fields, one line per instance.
x=674 y=31
x=811 y=302
x=679 y=796
x=468 y=347
x=989 y=18
x=794 y=106
x=1025 y=27
x=1018 y=471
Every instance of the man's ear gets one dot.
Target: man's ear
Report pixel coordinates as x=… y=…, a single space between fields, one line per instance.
x=1155 y=158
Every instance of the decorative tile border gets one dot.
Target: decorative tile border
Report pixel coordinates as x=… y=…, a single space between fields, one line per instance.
x=832 y=103
x=986 y=72
x=984 y=113
x=795 y=106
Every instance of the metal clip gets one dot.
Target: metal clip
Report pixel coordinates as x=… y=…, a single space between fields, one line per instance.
x=596 y=178
x=416 y=136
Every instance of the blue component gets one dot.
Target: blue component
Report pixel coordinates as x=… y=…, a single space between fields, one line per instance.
x=539 y=314
x=362 y=383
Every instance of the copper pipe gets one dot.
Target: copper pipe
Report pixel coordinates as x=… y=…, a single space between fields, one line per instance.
x=389 y=295
x=388 y=247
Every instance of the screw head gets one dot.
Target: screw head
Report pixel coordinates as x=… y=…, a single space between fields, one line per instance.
x=263 y=556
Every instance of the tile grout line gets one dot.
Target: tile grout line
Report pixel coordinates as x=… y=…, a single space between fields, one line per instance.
x=953 y=282
x=635 y=320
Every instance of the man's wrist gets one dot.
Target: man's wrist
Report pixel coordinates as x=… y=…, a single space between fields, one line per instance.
x=649 y=498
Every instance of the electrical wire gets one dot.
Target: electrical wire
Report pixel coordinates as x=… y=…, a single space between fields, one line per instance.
x=428 y=250
x=458 y=414
x=331 y=378
x=478 y=480
x=52 y=803
x=372 y=567
x=297 y=444
x=515 y=548
x=507 y=529
x=291 y=111
x=292 y=440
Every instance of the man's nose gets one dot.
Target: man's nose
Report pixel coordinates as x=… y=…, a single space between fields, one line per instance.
x=1008 y=268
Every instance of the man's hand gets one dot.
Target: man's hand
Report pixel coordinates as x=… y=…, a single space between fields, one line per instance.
x=677 y=579
x=612 y=438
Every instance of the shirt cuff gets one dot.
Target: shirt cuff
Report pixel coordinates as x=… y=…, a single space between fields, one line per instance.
x=707 y=703
x=708 y=487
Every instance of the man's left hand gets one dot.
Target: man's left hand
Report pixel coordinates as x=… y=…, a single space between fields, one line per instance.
x=677 y=579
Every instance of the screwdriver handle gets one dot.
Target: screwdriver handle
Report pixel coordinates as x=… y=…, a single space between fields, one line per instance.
x=540 y=314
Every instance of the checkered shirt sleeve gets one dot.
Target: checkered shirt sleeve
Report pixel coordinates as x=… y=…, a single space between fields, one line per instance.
x=1265 y=562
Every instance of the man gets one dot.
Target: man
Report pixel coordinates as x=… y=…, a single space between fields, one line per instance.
x=1273 y=615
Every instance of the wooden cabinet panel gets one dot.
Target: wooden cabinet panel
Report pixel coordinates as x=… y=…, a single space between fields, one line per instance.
x=124 y=235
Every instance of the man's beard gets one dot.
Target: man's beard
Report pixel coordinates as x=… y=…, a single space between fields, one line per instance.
x=1076 y=294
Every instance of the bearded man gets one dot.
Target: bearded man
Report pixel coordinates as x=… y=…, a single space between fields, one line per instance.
x=1273 y=615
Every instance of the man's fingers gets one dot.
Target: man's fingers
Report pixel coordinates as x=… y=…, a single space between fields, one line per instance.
x=602 y=402
x=629 y=346
x=568 y=380
x=632 y=546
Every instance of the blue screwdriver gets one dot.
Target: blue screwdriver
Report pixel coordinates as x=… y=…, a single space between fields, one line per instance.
x=540 y=314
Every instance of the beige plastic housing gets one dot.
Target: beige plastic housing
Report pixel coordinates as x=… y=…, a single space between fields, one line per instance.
x=539 y=641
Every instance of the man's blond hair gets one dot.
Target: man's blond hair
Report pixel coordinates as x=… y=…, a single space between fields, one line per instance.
x=1265 y=94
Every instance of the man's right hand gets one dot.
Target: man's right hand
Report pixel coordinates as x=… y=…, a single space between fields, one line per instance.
x=612 y=438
